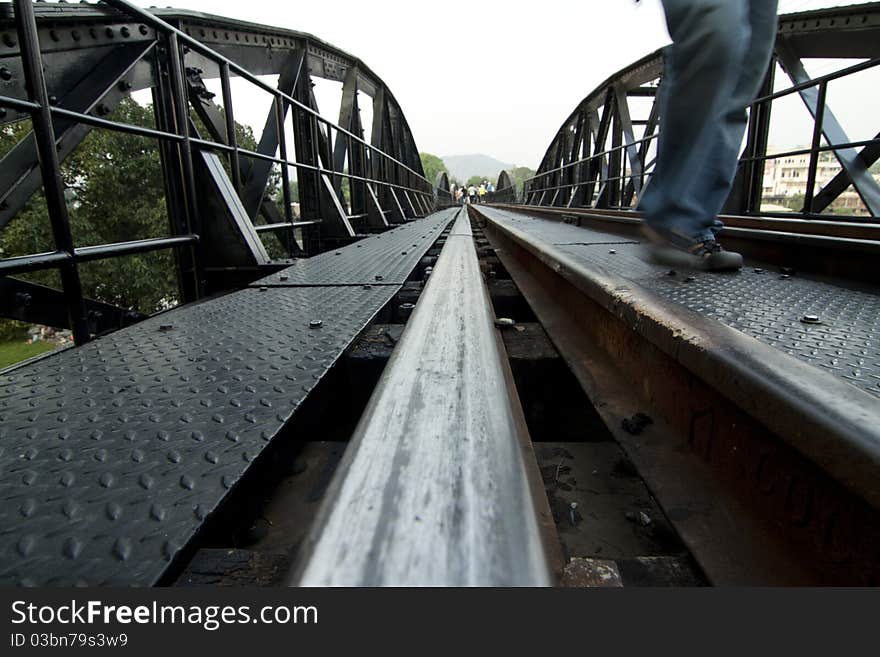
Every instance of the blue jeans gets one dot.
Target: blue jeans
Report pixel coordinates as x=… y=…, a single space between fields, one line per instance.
x=717 y=62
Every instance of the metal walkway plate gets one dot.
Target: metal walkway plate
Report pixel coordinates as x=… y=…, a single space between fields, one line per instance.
x=113 y=455
x=390 y=256
x=758 y=303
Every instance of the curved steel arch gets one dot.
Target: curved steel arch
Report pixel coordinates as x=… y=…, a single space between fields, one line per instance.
x=67 y=67
x=505 y=190
x=442 y=190
x=602 y=158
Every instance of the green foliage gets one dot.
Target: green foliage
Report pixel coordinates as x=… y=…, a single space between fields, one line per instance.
x=476 y=181
x=116 y=193
x=432 y=166
x=518 y=175
x=12 y=330
x=795 y=202
x=16 y=351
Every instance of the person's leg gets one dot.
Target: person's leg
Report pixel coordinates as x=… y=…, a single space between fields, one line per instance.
x=720 y=170
x=710 y=38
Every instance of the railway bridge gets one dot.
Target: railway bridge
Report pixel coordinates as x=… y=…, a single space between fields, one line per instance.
x=350 y=380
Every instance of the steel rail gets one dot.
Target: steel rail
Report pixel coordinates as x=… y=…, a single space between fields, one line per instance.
x=769 y=462
x=433 y=489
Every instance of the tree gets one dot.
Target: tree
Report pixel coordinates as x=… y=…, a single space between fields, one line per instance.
x=116 y=193
x=476 y=181
x=432 y=165
x=518 y=175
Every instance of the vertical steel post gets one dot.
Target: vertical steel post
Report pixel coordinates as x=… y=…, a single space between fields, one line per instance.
x=285 y=173
x=814 y=152
x=759 y=136
x=50 y=166
x=231 y=138
x=180 y=102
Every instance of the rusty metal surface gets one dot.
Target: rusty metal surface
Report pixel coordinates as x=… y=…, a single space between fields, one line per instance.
x=433 y=489
x=761 y=304
x=766 y=465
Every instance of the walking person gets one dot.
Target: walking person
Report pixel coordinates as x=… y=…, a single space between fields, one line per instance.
x=472 y=194
x=718 y=59
x=482 y=192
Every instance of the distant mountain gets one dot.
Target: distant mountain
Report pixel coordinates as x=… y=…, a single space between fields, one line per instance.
x=465 y=166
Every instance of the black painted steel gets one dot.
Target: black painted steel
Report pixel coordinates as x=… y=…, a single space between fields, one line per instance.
x=174 y=53
x=44 y=135
x=113 y=455
x=385 y=259
x=601 y=157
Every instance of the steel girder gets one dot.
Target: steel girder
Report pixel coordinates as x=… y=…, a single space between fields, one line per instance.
x=93 y=56
x=505 y=191
x=442 y=190
x=595 y=159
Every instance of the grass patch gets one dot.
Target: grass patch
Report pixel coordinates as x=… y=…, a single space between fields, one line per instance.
x=19 y=350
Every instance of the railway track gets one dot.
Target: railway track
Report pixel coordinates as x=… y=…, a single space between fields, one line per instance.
x=762 y=455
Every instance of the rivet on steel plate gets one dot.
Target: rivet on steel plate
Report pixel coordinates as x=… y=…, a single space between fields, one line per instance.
x=316 y=324
x=283 y=278
x=811 y=319
x=759 y=271
x=380 y=278
x=264 y=289
x=166 y=327
x=612 y=252
x=690 y=279
x=505 y=322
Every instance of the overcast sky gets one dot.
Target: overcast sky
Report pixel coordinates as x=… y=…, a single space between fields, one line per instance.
x=494 y=77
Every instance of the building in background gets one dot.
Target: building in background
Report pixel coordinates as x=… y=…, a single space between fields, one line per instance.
x=785 y=182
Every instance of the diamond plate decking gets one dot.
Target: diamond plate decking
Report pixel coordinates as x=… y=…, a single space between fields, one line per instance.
x=391 y=256
x=759 y=303
x=113 y=455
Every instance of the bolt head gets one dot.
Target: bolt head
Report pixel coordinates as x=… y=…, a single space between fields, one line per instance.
x=316 y=324
x=505 y=322
x=811 y=319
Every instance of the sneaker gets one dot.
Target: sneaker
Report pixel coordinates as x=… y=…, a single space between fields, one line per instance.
x=674 y=250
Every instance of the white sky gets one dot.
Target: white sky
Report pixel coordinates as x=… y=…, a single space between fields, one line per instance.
x=500 y=77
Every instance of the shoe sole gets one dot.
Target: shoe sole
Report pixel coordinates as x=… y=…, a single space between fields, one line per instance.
x=663 y=254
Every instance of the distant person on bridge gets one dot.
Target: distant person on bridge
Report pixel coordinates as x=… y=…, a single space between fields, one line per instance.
x=482 y=192
x=716 y=64
x=472 y=194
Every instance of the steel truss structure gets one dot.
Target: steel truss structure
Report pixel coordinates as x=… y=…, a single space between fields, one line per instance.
x=68 y=67
x=602 y=158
